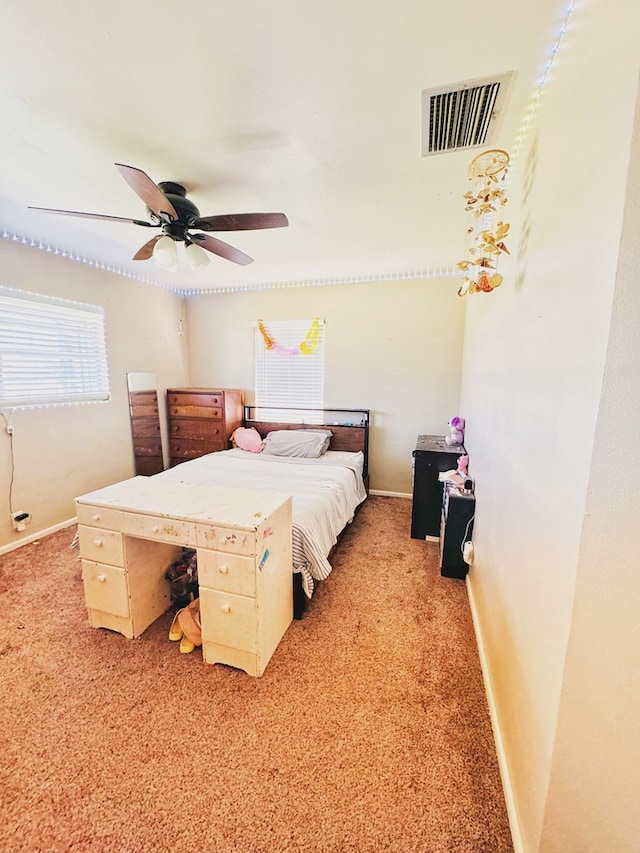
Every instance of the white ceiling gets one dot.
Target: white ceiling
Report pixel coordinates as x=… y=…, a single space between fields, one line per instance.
x=309 y=108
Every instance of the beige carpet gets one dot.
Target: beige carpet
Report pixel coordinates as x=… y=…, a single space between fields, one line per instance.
x=369 y=730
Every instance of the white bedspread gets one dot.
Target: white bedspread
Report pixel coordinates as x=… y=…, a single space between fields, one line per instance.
x=325 y=494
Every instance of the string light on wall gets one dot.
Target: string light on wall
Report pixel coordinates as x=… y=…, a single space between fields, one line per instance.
x=486 y=230
x=406 y=275
x=42 y=246
x=543 y=81
x=412 y=275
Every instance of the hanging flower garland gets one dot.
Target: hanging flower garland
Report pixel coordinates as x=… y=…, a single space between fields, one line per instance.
x=306 y=347
x=488 y=172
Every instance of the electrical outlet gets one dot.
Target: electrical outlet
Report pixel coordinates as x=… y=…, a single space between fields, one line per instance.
x=20 y=519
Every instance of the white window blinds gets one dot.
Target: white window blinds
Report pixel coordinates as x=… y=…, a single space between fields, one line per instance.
x=51 y=351
x=289 y=368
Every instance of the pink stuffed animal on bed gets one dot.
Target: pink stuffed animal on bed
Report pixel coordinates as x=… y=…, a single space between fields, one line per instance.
x=247 y=438
x=456 y=431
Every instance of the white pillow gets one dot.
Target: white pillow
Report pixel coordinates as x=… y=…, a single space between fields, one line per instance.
x=327 y=437
x=297 y=442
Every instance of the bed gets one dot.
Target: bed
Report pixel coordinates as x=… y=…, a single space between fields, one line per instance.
x=326 y=489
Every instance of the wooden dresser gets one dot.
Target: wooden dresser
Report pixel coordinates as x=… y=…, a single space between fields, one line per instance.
x=145 y=429
x=131 y=532
x=201 y=420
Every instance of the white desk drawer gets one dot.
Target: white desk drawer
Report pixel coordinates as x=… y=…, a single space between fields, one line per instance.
x=104 y=546
x=97 y=516
x=229 y=620
x=227 y=572
x=105 y=588
x=226 y=539
x=159 y=529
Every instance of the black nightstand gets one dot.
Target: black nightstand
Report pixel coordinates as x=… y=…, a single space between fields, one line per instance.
x=458 y=511
x=431 y=456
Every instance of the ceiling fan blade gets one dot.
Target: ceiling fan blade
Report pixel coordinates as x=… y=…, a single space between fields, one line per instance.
x=150 y=193
x=146 y=251
x=95 y=216
x=241 y=221
x=217 y=247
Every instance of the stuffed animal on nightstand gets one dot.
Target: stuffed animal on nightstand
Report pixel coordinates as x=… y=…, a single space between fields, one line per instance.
x=463 y=467
x=456 y=431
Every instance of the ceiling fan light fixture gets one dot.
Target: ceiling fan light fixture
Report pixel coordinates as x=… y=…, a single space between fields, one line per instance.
x=196 y=256
x=169 y=208
x=165 y=254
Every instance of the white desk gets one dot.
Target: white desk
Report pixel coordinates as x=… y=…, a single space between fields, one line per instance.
x=131 y=532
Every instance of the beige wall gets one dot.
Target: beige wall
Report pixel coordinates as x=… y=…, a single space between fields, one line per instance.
x=392 y=347
x=551 y=568
x=600 y=701
x=64 y=451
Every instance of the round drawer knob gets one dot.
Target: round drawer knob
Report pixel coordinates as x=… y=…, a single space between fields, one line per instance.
x=226 y=608
x=96 y=517
x=97 y=543
x=102 y=578
x=155 y=528
x=223 y=569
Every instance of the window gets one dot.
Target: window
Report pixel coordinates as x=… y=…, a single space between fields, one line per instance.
x=289 y=368
x=51 y=351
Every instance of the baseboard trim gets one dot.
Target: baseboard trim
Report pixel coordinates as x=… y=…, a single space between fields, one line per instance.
x=27 y=540
x=389 y=494
x=512 y=811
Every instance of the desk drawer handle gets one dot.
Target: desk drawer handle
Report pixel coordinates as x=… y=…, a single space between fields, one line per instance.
x=97 y=543
x=102 y=578
x=226 y=608
x=223 y=569
x=155 y=528
x=96 y=517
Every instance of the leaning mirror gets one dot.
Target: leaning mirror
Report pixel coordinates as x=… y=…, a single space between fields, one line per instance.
x=145 y=423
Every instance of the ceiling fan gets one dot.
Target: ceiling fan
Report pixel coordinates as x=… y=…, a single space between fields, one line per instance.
x=170 y=210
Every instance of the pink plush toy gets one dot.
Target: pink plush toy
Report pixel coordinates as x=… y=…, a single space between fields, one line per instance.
x=247 y=438
x=456 y=431
x=463 y=465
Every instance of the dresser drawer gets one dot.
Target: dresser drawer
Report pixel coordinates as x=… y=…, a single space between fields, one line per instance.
x=147 y=447
x=227 y=572
x=145 y=427
x=191 y=448
x=143 y=404
x=225 y=539
x=194 y=428
x=105 y=546
x=105 y=588
x=229 y=620
x=195 y=412
x=159 y=529
x=184 y=398
x=97 y=516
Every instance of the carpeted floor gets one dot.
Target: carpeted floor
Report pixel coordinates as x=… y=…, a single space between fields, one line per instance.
x=369 y=730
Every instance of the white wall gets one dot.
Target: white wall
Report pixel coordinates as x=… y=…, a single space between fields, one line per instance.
x=65 y=451
x=531 y=392
x=392 y=347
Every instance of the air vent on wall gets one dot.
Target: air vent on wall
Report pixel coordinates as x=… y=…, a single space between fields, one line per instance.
x=462 y=116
